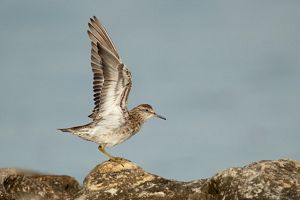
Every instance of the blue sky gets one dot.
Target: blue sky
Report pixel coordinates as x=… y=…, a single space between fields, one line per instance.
x=225 y=74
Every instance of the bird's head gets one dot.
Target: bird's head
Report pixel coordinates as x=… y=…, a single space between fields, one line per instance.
x=146 y=112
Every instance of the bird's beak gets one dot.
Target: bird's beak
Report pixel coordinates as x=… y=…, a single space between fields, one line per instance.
x=159 y=116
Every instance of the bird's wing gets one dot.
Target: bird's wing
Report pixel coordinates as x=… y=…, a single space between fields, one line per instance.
x=112 y=79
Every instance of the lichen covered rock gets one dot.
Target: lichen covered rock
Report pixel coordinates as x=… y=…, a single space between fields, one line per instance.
x=111 y=180
x=278 y=180
x=263 y=180
x=25 y=185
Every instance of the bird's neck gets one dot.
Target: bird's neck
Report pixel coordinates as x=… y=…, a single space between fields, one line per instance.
x=136 y=117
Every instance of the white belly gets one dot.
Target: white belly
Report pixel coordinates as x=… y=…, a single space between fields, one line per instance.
x=108 y=133
x=100 y=135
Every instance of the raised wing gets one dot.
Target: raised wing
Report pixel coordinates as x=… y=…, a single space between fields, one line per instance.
x=112 y=80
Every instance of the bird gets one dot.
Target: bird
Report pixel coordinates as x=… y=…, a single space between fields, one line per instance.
x=112 y=122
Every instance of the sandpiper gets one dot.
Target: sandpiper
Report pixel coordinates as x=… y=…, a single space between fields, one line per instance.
x=112 y=122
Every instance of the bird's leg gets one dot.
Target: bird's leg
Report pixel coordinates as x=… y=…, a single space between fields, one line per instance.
x=112 y=158
x=101 y=148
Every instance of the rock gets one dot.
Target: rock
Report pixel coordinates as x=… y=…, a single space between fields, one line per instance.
x=25 y=185
x=279 y=179
x=263 y=180
x=111 y=180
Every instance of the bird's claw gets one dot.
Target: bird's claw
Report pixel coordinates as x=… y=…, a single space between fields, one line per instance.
x=117 y=160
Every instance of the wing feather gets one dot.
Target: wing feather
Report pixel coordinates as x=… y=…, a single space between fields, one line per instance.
x=111 y=78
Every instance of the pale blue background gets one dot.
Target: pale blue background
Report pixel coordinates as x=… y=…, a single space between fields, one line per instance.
x=226 y=74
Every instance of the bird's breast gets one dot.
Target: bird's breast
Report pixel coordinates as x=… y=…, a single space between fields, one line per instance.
x=130 y=129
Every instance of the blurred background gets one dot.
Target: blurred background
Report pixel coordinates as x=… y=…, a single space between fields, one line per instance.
x=225 y=74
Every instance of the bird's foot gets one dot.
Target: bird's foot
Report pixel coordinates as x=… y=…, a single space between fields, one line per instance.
x=111 y=158
x=117 y=160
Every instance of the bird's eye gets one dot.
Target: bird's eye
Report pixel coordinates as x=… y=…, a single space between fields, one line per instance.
x=147 y=110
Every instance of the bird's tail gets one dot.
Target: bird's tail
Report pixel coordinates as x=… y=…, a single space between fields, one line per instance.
x=65 y=129
x=75 y=128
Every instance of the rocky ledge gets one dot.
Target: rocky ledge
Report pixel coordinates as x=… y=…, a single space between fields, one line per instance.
x=278 y=179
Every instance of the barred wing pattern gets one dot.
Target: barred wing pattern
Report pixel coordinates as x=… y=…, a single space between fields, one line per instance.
x=112 y=80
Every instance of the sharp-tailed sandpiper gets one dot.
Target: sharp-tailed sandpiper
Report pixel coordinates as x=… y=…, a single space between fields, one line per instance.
x=112 y=122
